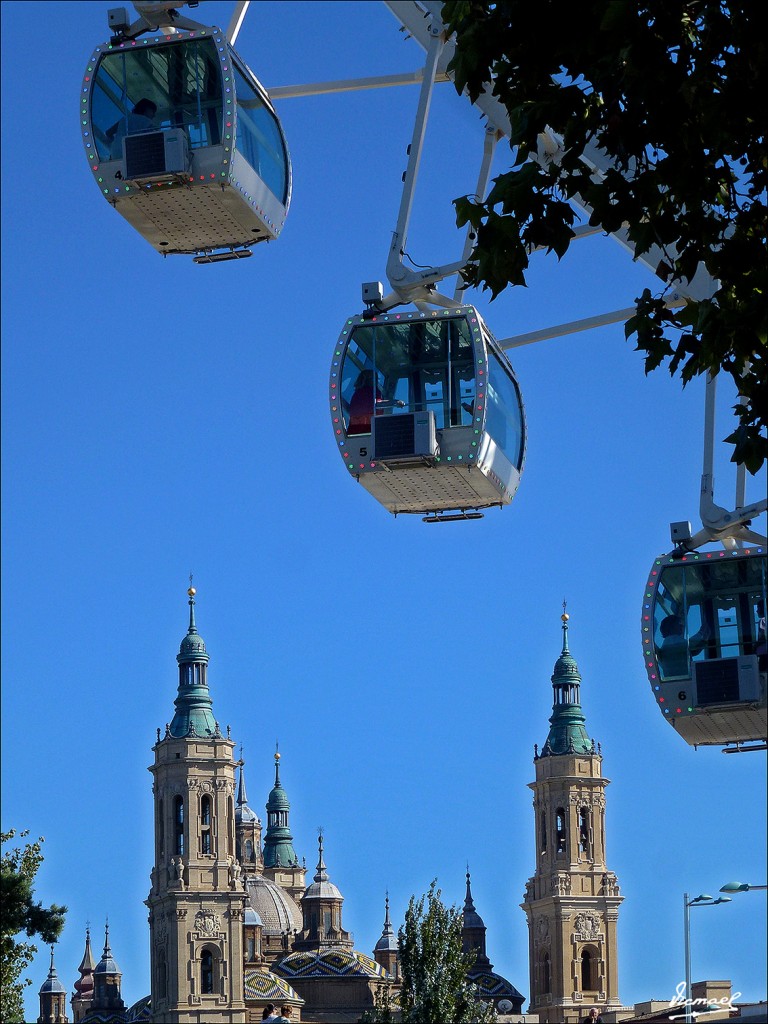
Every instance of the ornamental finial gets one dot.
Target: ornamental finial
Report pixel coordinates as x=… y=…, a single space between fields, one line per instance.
x=564 y=619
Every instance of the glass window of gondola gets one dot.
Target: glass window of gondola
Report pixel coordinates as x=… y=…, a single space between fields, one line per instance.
x=259 y=137
x=409 y=366
x=708 y=610
x=504 y=421
x=181 y=80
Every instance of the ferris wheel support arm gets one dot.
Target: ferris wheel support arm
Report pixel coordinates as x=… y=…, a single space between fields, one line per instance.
x=290 y=92
x=236 y=21
x=714 y=517
x=492 y=136
x=396 y=272
x=413 y=16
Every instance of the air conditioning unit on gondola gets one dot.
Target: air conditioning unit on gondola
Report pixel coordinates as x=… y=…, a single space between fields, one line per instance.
x=155 y=154
x=722 y=681
x=404 y=438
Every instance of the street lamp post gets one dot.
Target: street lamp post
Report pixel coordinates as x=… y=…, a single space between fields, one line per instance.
x=704 y=900
x=740 y=887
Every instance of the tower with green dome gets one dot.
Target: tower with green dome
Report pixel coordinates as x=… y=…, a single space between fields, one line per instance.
x=197 y=899
x=572 y=900
x=281 y=865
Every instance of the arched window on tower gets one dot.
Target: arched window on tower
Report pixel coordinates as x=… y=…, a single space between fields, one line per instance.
x=206 y=972
x=205 y=825
x=560 y=830
x=160 y=833
x=584 y=830
x=230 y=826
x=543 y=832
x=178 y=824
x=162 y=976
x=588 y=971
x=546 y=974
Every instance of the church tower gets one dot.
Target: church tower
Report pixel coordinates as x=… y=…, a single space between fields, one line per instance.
x=387 y=950
x=197 y=901
x=247 y=830
x=572 y=901
x=53 y=998
x=281 y=865
x=107 y=979
x=321 y=910
x=82 y=997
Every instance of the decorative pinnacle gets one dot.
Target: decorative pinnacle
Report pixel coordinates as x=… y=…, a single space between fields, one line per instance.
x=322 y=874
x=191 y=592
x=564 y=619
x=468 y=902
x=387 y=921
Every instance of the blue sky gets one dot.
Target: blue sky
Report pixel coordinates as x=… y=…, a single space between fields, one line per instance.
x=162 y=418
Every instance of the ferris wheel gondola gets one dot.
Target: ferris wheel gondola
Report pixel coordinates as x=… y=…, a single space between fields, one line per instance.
x=182 y=139
x=704 y=643
x=427 y=413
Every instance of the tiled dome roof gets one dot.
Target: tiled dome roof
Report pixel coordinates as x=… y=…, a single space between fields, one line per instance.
x=274 y=906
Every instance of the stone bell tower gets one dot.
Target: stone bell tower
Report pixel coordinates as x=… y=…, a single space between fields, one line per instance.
x=572 y=901
x=197 y=901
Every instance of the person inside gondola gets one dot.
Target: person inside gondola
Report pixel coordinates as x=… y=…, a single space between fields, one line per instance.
x=362 y=403
x=141 y=119
x=676 y=650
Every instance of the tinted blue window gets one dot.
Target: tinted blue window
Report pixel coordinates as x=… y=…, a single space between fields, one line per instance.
x=259 y=138
x=182 y=81
x=504 y=419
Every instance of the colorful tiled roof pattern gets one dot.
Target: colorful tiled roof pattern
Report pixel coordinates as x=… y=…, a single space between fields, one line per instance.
x=262 y=984
x=140 y=1011
x=491 y=984
x=330 y=963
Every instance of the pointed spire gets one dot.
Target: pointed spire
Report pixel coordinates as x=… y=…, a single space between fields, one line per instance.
x=84 y=984
x=468 y=904
x=473 y=931
x=321 y=875
x=471 y=917
x=107 y=951
x=388 y=940
x=87 y=963
x=567 y=734
x=242 y=799
x=107 y=963
x=52 y=982
x=194 y=707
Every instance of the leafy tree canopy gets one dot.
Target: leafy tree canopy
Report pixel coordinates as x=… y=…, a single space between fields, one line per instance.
x=673 y=91
x=433 y=969
x=21 y=915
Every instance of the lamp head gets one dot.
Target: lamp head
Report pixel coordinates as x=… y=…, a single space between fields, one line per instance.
x=735 y=887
